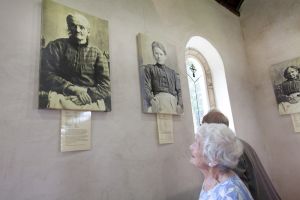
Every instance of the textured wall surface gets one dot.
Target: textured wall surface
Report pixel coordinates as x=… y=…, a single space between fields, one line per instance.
x=271 y=30
x=126 y=161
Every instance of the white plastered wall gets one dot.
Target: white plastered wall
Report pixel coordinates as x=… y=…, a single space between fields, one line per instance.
x=271 y=31
x=126 y=161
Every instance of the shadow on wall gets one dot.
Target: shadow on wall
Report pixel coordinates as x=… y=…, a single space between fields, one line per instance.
x=187 y=195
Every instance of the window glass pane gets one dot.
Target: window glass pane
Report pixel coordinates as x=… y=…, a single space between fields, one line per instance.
x=198 y=90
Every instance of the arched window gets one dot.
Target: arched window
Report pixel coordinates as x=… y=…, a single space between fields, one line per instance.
x=200 y=85
x=207 y=81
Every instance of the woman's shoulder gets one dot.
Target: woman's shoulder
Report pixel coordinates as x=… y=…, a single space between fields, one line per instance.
x=170 y=68
x=234 y=188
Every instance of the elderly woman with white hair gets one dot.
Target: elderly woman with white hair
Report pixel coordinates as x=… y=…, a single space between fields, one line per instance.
x=216 y=152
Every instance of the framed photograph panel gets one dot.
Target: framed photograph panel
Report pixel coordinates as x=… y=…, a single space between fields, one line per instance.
x=159 y=77
x=74 y=66
x=286 y=84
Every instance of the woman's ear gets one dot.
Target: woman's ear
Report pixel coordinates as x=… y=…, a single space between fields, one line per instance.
x=212 y=164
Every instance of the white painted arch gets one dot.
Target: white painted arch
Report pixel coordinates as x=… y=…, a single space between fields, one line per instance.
x=216 y=65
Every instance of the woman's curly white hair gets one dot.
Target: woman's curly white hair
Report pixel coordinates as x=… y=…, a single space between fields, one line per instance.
x=221 y=148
